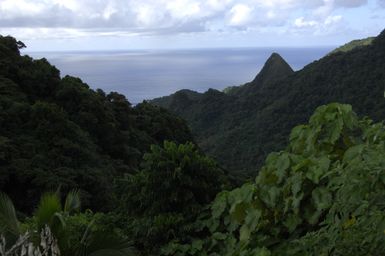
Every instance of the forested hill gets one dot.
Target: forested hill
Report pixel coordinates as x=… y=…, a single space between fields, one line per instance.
x=57 y=132
x=354 y=44
x=131 y=192
x=240 y=127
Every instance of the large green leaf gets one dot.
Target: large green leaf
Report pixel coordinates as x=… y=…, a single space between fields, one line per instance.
x=9 y=223
x=72 y=202
x=49 y=205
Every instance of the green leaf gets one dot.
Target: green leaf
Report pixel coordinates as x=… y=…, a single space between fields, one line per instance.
x=8 y=220
x=252 y=218
x=322 y=198
x=72 y=202
x=101 y=243
x=219 y=204
x=318 y=169
x=282 y=164
x=238 y=212
x=353 y=152
x=197 y=245
x=48 y=206
x=244 y=233
x=219 y=236
x=303 y=164
x=296 y=181
x=292 y=221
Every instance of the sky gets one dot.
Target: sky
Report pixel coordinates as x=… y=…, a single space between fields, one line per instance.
x=60 y=25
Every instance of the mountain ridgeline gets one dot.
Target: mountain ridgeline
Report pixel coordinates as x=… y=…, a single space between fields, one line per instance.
x=241 y=125
x=57 y=132
x=354 y=44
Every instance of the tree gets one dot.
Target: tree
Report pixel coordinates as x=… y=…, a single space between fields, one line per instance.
x=323 y=195
x=57 y=131
x=175 y=183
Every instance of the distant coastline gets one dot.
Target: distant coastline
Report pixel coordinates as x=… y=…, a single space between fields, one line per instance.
x=147 y=74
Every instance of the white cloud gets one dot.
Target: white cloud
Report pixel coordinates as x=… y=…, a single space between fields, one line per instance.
x=72 y=5
x=109 y=10
x=166 y=16
x=147 y=15
x=240 y=15
x=274 y=4
x=301 y=22
x=14 y=8
x=332 y=19
x=329 y=25
x=181 y=9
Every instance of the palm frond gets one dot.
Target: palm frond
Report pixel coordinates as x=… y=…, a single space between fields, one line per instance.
x=48 y=206
x=9 y=223
x=58 y=220
x=100 y=243
x=87 y=233
x=72 y=202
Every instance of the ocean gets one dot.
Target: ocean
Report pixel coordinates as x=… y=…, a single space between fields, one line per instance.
x=147 y=74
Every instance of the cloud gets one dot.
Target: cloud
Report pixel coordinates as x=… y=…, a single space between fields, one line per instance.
x=330 y=20
x=73 y=18
x=332 y=24
x=240 y=14
x=301 y=22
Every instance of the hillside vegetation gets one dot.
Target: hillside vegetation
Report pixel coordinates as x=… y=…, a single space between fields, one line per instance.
x=241 y=126
x=354 y=44
x=323 y=195
x=139 y=178
x=83 y=173
x=58 y=132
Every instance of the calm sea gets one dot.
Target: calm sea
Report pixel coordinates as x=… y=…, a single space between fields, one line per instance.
x=146 y=74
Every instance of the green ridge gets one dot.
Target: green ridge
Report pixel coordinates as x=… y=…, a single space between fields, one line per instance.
x=239 y=128
x=354 y=44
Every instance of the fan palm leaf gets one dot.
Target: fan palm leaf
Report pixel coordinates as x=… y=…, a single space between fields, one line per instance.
x=72 y=202
x=97 y=243
x=48 y=211
x=9 y=224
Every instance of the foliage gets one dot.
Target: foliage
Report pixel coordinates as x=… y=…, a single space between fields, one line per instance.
x=239 y=129
x=354 y=44
x=75 y=235
x=321 y=196
x=166 y=195
x=58 y=132
x=9 y=224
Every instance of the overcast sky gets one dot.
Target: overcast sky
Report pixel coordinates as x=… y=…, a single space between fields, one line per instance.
x=133 y=24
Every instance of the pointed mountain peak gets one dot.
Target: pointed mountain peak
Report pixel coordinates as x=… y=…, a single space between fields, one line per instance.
x=275 y=55
x=276 y=61
x=275 y=68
